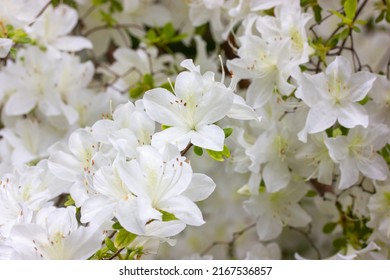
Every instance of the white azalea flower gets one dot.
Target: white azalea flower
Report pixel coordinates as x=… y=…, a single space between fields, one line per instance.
x=51 y=30
x=156 y=182
x=55 y=235
x=271 y=156
x=76 y=164
x=272 y=211
x=267 y=64
x=198 y=102
x=317 y=162
x=130 y=117
x=357 y=153
x=332 y=96
x=30 y=140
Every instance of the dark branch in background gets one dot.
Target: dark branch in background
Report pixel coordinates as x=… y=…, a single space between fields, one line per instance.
x=186 y=149
x=230 y=244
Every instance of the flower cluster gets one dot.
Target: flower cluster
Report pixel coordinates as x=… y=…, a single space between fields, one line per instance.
x=160 y=129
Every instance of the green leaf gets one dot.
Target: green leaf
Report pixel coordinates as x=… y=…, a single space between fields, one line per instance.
x=311 y=193
x=226 y=151
x=163 y=126
x=166 y=216
x=317 y=13
x=338 y=14
x=228 y=131
x=329 y=227
x=198 y=150
x=148 y=80
x=110 y=245
x=380 y=17
x=388 y=15
x=69 y=201
x=117 y=225
x=340 y=243
x=123 y=239
x=168 y=30
x=107 y=18
x=356 y=29
x=219 y=155
x=215 y=155
x=136 y=91
x=350 y=8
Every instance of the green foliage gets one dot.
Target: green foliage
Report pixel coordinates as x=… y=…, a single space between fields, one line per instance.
x=329 y=227
x=228 y=131
x=305 y=4
x=219 y=155
x=162 y=37
x=311 y=193
x=198 y=150
x=166 y=216
x=354 y=229
x=113 y=5
x=350 y=8
x=384 y=11
x=385 y=153
x=145 y=84
x=69 y=201
x=107 y=18
x=123 y=238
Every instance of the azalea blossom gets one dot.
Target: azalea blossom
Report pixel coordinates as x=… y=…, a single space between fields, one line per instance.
x=190 y=113
x=356 y=153
x=55 y=235
x=51 y=30
x=160 y=182
x=333 y=96
x=272 y=211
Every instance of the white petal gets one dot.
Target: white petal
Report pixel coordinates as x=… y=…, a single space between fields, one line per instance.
x=200 y=188
x=341 y=68
x=214 y=105
x=134 y=213
x=320 y=117
x=20 y=103
x=352 y=115
x=165 y=229
x=349 y=174
x=268 y=227
x=83 y=243
x=374 y=167
x=177 y=136
x=276 y=175
x=5 y=47
x=209 y=137
x=67 y=19
x=241 y=111
x=65 y=166
x=338 y=148
x=161 y=106
x=72 y=43
x=189 y=85
x=98 y=209
x=184 y=209
x=360 y=83
x=296 y=216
